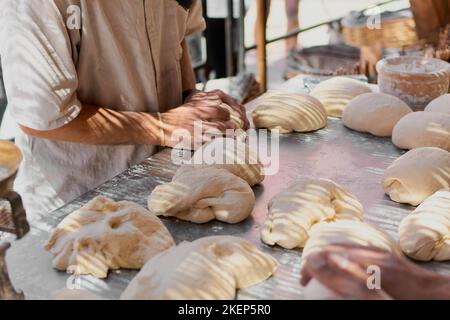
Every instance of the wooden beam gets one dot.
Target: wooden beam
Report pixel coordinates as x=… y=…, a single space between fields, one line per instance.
x=261 y=26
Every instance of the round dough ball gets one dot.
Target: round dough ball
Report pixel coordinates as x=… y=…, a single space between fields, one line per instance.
x=425 y=233
x=348 y=232
x=294 y=211
x=375 y=113
x=337 y=92
x=105 y=235
x=200 y=196
x=440 y=104
x=289 y=112
x=211 y=268
x=417 y=175
x=233 y=155
x=423 y=129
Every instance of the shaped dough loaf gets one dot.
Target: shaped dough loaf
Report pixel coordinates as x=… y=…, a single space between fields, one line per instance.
x=209 y=268
x=294 y=211
x=337 y=92
x=289 y=112
x=423 y=129
x=229 y=154
x=200 y=196
x=417 y=175
x=105 y=235
x=375 y=113
x=425 y=233
x=440 y=104
x=347 y=232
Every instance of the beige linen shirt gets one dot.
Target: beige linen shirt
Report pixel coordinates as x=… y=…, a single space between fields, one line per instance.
x=125 y=56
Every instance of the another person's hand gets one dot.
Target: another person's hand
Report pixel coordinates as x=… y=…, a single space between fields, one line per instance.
x=201 y=109
x=344 y=270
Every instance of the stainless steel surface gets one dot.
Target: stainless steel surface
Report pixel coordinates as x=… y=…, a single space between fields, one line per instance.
x=355 y=160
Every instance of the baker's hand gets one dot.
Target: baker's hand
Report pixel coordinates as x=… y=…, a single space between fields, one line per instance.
x=344 y=270
x=218 y=95
x=202 y=110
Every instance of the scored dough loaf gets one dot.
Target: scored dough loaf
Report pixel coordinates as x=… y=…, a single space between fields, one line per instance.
x=210 y=268
x=294 y=211
x=200 y=196
x=337 y=92
x=289 y=112
x=106 y=235
x=423 y=129
x=425 y=233
x=233 y=155
x=348 y=232
x=375 y=113
x=440 y=104
x=417 y=174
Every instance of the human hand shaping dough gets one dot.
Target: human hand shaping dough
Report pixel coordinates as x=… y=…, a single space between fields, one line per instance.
x=343 y=269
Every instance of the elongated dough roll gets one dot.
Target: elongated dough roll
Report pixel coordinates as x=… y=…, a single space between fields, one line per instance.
x=347 y=232
x=423 y=129
x=294 y=211
x=233 y=155
x=417 y=174
x=106 y=235
x=337 y=92
x=200 y=196
x=210 y=268
x=425 y=233
x=289 y=112
x=375 y=113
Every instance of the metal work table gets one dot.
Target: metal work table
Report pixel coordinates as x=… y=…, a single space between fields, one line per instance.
x=352 y=159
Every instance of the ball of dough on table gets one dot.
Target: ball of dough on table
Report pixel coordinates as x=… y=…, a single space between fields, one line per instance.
x=337 y=92
x=200 y=196
x=210 y=268
x=233 y=155
x=294 y=211
x=348 y=232
x=106 y=235
x=289 y=112
x=440 y=104
x=425 y=233
x=375 y=113
x=417 y=175
x=423 y=129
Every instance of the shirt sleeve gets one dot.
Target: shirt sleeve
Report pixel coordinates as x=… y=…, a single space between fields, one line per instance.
x=38 y=69
x=195 y=21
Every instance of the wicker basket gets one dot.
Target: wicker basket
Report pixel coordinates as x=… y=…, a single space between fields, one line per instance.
x=396 y=32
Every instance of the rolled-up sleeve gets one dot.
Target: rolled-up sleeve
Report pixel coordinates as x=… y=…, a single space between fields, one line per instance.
x=195 y=22
x=38 y=69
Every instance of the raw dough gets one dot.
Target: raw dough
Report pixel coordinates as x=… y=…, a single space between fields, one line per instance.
x=230 y=154
x=294 y=211
x=417 y=175
x=336 y=93
x=423 y=129
x=348 y=232
x=440 y=104
x=200 y=196
x=105 y=235
x=289 y=112
x=210 y=268
x=375 y=113
x=425 y=233
x=74 y=295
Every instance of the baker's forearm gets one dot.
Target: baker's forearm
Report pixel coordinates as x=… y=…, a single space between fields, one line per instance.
x=101 y=126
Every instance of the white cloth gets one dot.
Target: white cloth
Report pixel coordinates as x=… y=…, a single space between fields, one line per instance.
x=218 y=9
x=125 y=57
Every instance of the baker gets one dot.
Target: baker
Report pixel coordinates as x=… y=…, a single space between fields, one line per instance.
x=96 y=86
